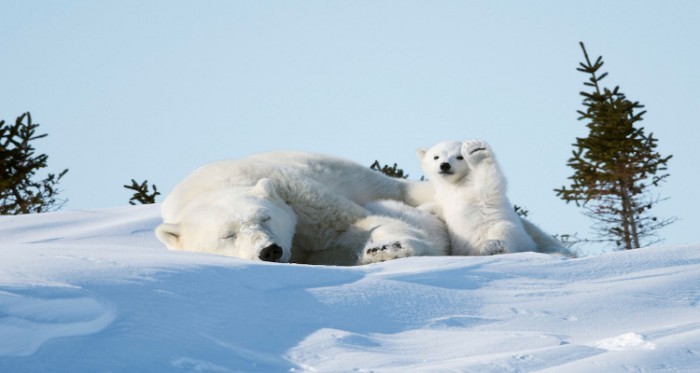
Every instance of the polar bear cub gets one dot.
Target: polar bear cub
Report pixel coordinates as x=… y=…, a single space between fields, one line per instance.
x=470 y=189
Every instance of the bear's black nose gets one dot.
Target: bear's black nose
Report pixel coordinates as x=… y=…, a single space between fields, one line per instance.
x=445 y=166
x=271 y=253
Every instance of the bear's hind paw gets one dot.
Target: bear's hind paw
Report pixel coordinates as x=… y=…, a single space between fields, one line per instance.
x=495 y=247
x=380 y=252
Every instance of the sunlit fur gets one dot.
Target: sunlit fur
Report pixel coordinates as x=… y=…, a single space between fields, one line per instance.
x=472 y=196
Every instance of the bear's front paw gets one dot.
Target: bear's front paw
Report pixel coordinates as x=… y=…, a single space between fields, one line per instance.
x=380 y=252
x=475 y=150
x=495 y=247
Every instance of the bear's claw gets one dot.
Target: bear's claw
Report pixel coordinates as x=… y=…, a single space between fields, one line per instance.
x=395 y=245
x=381 y=252
x=472 y=151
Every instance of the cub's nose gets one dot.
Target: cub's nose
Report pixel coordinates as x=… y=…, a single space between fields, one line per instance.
x=445 y=166
x=271 y=253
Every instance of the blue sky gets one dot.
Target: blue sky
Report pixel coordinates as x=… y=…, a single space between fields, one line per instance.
x=153 y=89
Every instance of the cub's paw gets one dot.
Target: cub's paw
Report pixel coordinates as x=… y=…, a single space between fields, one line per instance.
x=376 y=252
x=475 y=150
x=495 y=247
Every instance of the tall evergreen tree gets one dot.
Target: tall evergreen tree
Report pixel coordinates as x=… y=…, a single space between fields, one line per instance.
x=616 y=165
x=20 y=192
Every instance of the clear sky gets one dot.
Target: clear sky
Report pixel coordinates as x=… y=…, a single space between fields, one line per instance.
x=153 y=89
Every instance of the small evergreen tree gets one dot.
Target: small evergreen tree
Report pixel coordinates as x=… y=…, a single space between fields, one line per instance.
x=521 y=211
x=20 y=193
x=616 y=165
x=142 y=193
x=392 y=171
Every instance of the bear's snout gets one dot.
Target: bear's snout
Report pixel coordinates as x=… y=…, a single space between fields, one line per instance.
x=445 y=166
x=271 y=253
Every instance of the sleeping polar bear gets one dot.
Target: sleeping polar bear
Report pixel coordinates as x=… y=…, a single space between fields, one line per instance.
x=299 y=207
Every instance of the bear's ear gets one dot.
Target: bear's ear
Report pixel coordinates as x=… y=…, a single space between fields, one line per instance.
x=420 y=153
x=265 y=188
x=169 y=234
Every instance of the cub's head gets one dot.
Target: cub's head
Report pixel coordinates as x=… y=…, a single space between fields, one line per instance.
x=444 y=161
x=244 y=222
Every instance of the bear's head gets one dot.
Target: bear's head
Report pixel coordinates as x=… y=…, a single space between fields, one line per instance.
x=245 y=222
x=444 y=161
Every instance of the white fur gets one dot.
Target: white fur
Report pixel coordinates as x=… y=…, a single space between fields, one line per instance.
x=470 y=189
x=209 y=224
x=425 y=226
x=307 y=208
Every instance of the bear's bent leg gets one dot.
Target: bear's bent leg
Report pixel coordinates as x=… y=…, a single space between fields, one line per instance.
x=391 y=238
x=512 y=238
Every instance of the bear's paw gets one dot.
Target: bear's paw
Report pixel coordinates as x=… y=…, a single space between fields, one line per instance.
x=495 y=247
x=475 y=151
x=376 y=252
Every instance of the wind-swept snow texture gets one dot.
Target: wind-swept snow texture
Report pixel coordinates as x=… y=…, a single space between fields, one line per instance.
x=94 y=291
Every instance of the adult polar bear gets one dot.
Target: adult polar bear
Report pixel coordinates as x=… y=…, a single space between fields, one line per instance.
x=299 y=207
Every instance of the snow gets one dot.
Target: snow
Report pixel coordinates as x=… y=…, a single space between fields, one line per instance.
x=87 y=291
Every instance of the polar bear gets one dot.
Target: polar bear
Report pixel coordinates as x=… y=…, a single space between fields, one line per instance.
x=428 y=227
x=470 y=194
x=293 y=207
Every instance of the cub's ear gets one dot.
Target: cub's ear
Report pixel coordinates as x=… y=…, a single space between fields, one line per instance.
x=420 y=153
x=265 y=188
x=169 y=234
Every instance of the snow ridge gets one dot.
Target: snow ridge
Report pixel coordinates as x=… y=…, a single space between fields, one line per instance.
x=88 y=291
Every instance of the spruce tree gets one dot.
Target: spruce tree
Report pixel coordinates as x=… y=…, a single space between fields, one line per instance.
x=142 y=193
x=616 y=165
x=20 y=191
x=393 y=171
x=521 y=211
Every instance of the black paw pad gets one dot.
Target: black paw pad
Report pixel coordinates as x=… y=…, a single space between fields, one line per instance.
x=396 y=245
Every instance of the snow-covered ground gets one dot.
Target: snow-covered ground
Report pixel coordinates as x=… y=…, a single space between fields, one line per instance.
x=93 y=291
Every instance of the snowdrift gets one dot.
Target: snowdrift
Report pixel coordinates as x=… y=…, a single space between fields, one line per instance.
x=87 y=291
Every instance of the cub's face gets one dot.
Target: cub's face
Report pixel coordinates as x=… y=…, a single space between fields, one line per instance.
x=248 y=223
x=444 y=161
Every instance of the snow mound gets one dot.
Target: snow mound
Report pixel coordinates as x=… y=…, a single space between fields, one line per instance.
x=623 y=342
x=86 y=291
x=30 y=320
